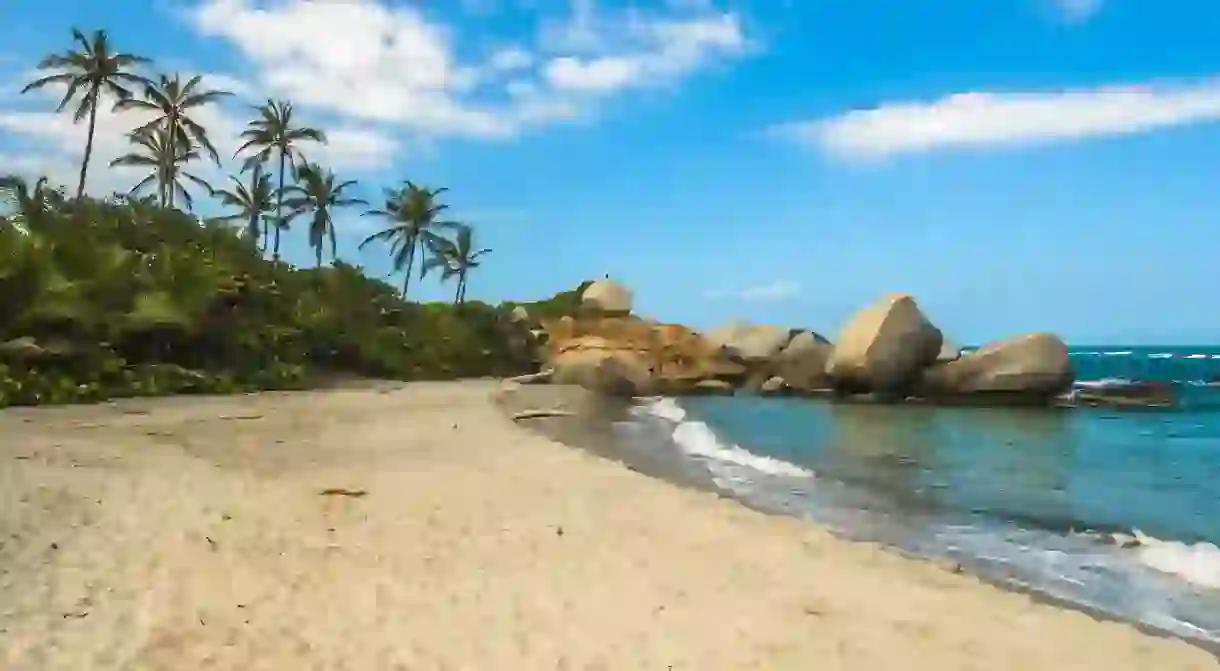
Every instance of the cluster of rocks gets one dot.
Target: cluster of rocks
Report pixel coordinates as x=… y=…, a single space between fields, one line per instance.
x=889 y=351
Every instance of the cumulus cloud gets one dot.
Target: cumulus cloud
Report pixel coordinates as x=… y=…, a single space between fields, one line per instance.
x=379 y=76
x=1006 y=119
x=1078 y=11
x=367 y=61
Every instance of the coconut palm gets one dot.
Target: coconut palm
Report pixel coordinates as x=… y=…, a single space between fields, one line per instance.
x=414 y=215
x=89 y=72
x=273 y=135
x=318 y=194
x=455 y=258
x=30 y=203
x=172 y=102
x=161 y=151
x=254 y=202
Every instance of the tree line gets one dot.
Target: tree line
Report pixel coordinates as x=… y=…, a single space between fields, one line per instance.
x=275 y=185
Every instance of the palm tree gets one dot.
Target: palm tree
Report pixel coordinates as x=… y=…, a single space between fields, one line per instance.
x=31 y=203
x=414 y=216
x=318 y=194
x=172 y=102
x=253 y=203
x=88 y=72
x=160 y=150
x=455 y=258
x=272 y=133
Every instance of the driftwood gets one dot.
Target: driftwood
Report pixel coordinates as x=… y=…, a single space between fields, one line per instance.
x=538 y=414
x=531 y=378
x=339 y=491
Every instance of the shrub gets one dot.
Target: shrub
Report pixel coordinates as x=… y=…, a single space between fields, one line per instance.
x=103 y=299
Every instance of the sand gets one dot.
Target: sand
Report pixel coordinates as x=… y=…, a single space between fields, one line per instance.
x=192 y=533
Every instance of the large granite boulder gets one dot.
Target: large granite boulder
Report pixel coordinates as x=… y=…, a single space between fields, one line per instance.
x=801 y=365
x=606 y=371
x=606 y=297
x=1032 y=367
x=883 y=349
x=751 y=343
x=949 y=351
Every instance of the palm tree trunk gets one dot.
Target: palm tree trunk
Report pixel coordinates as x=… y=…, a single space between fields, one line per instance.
x=279 y=209
x=406 y=284
x=84 y=164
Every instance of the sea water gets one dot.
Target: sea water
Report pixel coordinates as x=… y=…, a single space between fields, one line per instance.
x=1117 y=511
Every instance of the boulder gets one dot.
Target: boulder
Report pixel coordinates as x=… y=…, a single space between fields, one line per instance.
x=1136 y=394
x=949 y=351
x=609 y=372
x=519 y=315
x=712 y=388
x=802 y=363
x=1031 y=367
x=607 y=297
x=883 y=349
x=773 y=387
x=751 y=343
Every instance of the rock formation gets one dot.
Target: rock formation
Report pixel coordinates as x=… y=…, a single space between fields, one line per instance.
x=1030 y=368
x=884 y=348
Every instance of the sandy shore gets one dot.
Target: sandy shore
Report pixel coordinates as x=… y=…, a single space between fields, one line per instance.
x=193 y=533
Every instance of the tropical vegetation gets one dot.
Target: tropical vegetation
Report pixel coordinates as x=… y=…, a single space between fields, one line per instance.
x=134 y=294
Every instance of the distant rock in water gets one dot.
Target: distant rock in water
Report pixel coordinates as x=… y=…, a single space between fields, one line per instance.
x=1125 y=394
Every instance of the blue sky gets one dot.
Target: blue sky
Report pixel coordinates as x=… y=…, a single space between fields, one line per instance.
x=1016 y=164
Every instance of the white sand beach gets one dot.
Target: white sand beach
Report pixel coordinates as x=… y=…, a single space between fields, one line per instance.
x=193 y=533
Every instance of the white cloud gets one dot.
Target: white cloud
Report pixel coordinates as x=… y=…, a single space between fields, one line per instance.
x=377 y=77
x=1007 y=119
x=1078 y=11
x=605 y=53
x=779 y=290
x=367 y=61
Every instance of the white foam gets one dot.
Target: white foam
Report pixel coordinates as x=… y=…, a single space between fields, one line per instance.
x=667 y=409
x=1104 y=383
x=695 y=438
x=1198 y=564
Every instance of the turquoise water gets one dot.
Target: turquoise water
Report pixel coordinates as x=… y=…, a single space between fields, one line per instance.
x=1031 y=497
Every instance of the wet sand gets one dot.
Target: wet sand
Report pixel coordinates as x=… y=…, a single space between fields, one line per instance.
x=415 y=527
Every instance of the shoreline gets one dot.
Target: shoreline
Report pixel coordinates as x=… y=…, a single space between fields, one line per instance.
x=414 y=526
x=590 y=431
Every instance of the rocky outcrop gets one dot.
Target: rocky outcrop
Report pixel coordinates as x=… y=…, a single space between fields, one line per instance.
x=607 y=297
x=608 y=371
x=949 y=351
x=883 y=349
x=886 y=352
x=801 y=365
x=675 y=358
x=1027 y=368
x=751 y=343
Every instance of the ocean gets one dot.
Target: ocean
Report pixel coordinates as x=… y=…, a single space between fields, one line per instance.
x=1115 y=511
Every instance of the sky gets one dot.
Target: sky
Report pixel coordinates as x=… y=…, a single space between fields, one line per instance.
x=1017 y=165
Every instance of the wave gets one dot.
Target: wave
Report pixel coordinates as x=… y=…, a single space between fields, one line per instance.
x=1168 y=584
x=698 y=440
x=1198 y=564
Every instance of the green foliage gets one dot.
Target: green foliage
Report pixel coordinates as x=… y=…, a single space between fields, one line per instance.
x=103 y=299
x=562 y=304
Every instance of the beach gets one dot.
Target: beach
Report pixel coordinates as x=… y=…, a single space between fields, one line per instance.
x=415 y=527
